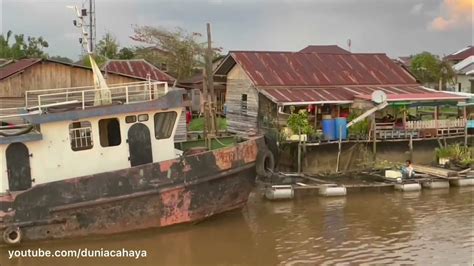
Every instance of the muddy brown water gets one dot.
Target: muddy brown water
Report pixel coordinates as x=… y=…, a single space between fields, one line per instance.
x=429 y=227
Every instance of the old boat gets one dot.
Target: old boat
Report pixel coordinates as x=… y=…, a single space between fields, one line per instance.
x=75 y=165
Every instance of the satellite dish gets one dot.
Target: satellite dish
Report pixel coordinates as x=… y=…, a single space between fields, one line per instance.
x=379 y=97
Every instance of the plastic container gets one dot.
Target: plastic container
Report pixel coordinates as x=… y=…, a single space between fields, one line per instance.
x=329 y=129
x=341 y=122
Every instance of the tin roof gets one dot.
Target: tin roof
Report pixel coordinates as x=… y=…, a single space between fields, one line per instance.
x=461 y=54
x=347 y=94
x=313 y=69
x=139 y=68
x=16 y=67
x=324 y=49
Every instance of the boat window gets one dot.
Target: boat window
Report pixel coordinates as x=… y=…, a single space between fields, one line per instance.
x=130 y=119
x=142 y=117
x=164 y=124
x=80 y=134
x=109 y=131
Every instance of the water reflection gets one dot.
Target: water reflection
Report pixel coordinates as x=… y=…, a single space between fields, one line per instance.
x=431 y=226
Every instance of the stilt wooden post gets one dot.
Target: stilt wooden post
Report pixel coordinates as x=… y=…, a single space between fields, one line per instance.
x=374 y=143
x=410 y=144
x=339 y=149
x=465 y=125
x=299 y=151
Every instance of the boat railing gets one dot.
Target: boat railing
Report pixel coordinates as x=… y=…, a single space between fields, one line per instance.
x=86 y=97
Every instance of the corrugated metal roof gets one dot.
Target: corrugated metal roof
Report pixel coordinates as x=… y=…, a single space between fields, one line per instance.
x=313 y=69
x=139 y=68
x=461 y=54
x=16 y=67
x=347 y=94
x=324 y=49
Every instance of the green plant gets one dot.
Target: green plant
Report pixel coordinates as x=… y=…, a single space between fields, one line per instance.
x=298 y=122
x=361 y=127
x=457 y=154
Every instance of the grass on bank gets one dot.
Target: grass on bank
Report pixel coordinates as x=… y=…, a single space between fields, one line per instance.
x=197 y=124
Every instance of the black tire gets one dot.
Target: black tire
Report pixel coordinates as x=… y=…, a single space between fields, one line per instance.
x=12 y=235
x=265 y=164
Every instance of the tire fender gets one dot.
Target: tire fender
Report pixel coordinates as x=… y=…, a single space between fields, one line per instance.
x=12 y=235
x=265 y=164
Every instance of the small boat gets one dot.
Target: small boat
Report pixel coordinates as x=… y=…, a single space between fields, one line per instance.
x=74 y=165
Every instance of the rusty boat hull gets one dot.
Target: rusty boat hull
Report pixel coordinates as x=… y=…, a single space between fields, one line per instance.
x=183 y=190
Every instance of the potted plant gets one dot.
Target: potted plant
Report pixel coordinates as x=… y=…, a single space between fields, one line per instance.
x=443 y=155
x=299 y=125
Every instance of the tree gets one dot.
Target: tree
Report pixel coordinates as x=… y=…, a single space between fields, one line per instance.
x=178 y=49
x=429 y=69
x=126 y=53
x=108 y=46
x=62 y=59
x=31 y=48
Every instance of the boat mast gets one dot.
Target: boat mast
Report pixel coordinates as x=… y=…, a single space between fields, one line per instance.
x=103 y=95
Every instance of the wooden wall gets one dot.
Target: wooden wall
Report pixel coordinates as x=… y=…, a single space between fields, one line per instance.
x=238 y=83
x=50 y=75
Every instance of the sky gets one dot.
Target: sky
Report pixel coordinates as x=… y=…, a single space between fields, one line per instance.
x=394 y=27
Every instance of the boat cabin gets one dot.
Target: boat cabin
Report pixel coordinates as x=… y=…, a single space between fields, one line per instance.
x=72 y=132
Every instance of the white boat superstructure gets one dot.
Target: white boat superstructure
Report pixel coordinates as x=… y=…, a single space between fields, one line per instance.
x=63 y=133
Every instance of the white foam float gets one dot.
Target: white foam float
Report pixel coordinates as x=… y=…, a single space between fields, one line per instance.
x=328 y=191
x=436 y=184
x=277 y=192
x=463 y=182
x=408 y=187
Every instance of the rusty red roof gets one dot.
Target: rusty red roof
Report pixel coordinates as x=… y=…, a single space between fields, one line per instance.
x=138 y=68
x=324 y=49
x=347 y=94
x=16 y=67
x=313 y=69
x=461 y=54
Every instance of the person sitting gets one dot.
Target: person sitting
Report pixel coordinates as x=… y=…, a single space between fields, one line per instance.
x=407 y=170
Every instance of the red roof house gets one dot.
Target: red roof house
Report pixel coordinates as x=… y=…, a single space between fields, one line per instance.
x=138 y=68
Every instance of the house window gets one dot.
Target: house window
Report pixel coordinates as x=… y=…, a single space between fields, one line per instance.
x=109 y=131
x=164 y=124
x=130 y=119
x=80 y=134
x=142 y=117
x=243 y=104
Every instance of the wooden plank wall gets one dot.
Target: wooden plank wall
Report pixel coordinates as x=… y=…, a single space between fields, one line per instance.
x=238 y=83
x=50 y=75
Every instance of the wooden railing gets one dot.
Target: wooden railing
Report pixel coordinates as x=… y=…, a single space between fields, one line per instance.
x=435 y=124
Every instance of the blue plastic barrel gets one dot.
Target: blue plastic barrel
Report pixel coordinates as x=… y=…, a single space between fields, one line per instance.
x=329 y=129
x=341 y=122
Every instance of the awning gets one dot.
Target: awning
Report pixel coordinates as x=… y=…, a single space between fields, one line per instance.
x=347 y=94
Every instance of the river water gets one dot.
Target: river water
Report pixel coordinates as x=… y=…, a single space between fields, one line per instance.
x=429 y=227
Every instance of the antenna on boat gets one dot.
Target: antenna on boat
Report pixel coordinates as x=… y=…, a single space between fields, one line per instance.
x=103 y=95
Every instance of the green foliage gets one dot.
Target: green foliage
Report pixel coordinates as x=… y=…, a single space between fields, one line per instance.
x=300 y=121
x=62 y=59
x=360 y=128
x=100 y=60
x=457 y=154
x=197 y=124
x=108 y=46
x=32 y=47
x=178 y=49
x=428 y=68
x=126 y=53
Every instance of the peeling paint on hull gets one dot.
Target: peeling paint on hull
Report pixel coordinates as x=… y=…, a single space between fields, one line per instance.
x=147 y=196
